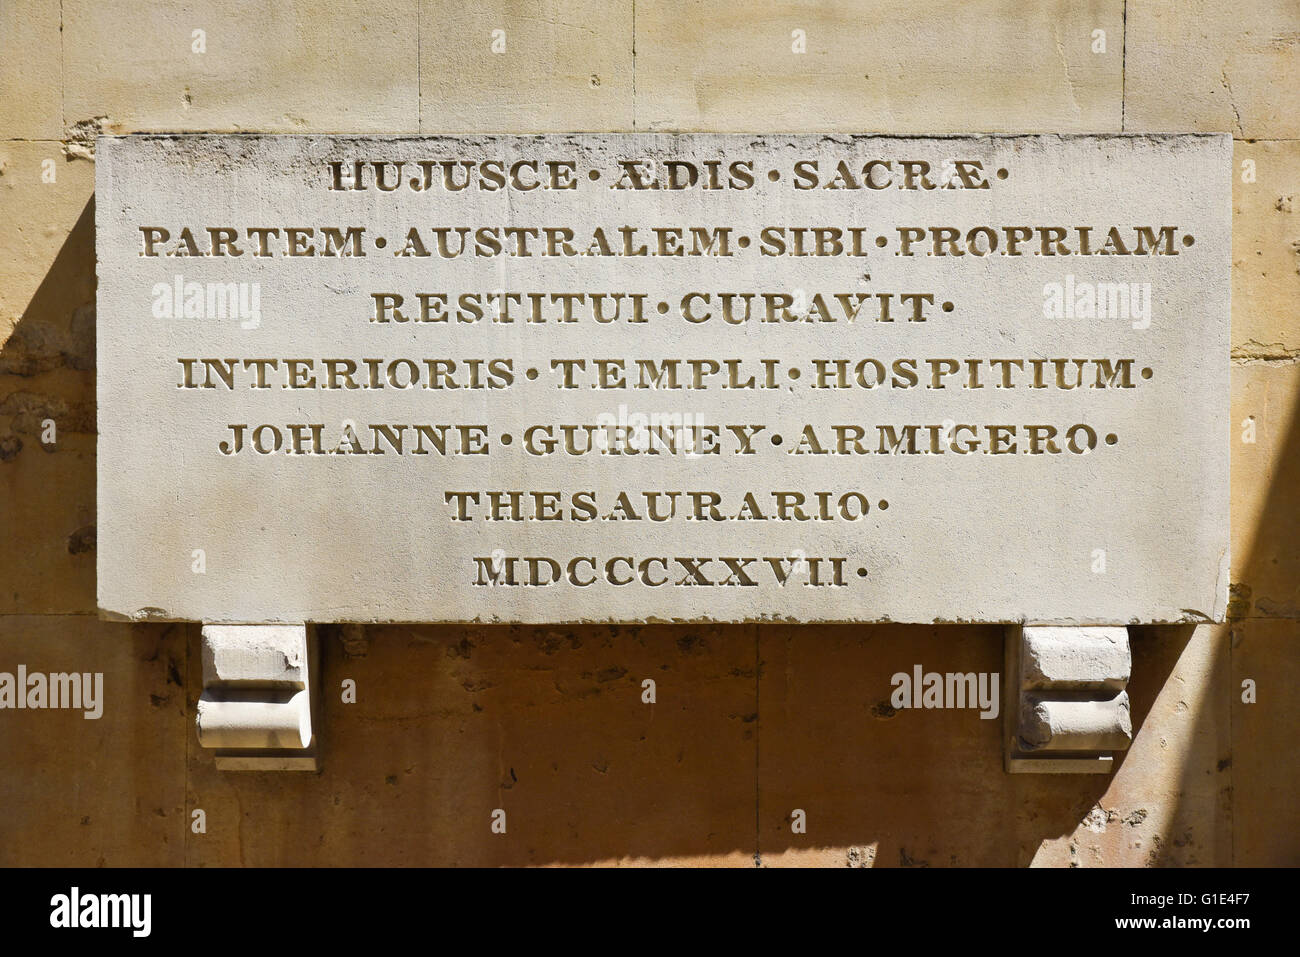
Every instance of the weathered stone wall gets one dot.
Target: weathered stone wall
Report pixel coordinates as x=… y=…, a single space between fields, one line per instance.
x=751 y=722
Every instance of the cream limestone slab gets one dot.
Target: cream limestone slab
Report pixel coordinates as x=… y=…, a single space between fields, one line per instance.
x=890 y=65
x=30 y=71
x=1266 y=250
x=924 y=418
x=546 y=65
x=242 y=64
x=1201 y=65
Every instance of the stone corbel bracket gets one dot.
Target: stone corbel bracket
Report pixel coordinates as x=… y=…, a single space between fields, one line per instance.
x=1066 y=710
x=256 y=710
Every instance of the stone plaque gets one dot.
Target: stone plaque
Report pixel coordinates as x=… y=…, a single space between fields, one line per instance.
x=663 y=377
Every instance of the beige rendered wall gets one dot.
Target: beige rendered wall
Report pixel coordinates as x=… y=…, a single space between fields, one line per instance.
x=751 y=722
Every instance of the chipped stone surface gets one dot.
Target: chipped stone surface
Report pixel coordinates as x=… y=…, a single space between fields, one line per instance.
x=1066 y=708
x=1010 y=537
x=272 y=655
x=1089 y=725
x=1079 y=658
x=1266 y=252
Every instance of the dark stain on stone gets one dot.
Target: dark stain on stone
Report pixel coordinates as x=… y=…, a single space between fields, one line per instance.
x=353 y=637
x=904 y=860
x=1153 y=857
x=35 y=348
x=1239 y=600
x=82 y=540
x=10 y=446
x=549 y=642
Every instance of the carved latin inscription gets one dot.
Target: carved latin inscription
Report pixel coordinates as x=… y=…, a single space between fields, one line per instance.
x=653 y=377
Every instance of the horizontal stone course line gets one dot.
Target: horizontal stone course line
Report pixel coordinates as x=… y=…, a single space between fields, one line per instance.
x=313 y=131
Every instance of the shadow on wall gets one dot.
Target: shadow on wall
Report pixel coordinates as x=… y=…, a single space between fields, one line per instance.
x=1176 y=779
x=749 y=725
x=47 y=376
x=1250 y=790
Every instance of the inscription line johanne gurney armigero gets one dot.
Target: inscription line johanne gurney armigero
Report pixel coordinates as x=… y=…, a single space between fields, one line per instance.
x=651 y=377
